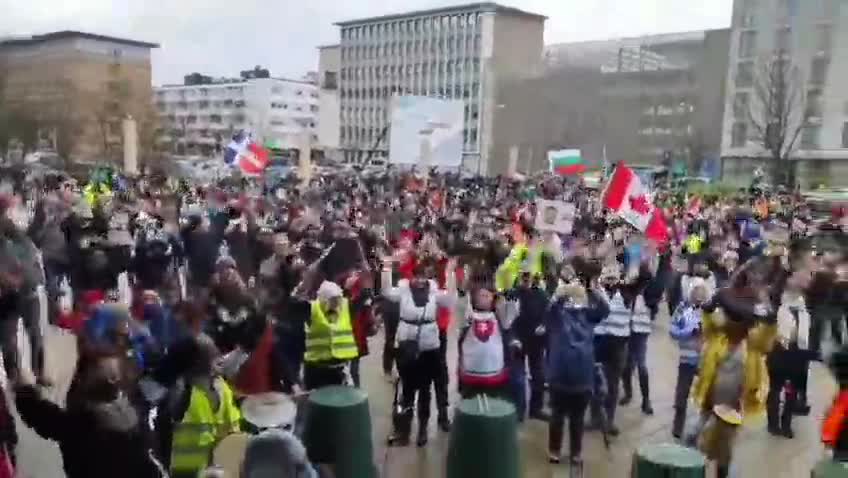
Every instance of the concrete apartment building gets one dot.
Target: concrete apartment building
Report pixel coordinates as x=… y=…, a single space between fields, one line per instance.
x=81 y=86
x=200 y=116
x=329 y=105
x=658 y=100
x=463 y=52
x=811 y=36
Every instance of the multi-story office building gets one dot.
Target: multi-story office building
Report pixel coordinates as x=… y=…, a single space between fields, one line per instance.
x=200 y=116
x=463 y=52
x=811 y=39
x=79 y=86
x=329 y=64
x=659 y=97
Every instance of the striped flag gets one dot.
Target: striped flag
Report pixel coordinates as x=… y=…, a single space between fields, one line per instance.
x=566 y=162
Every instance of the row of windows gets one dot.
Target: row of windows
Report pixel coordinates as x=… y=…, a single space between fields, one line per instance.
x=285 y=106
x=454 y=45
x=779 y=69
x=202 y=92
x=348 y=113
x=748 y=40
x=444 y=23
x=451 y=91
x=370 y=135
x=471 y=66
x=742 y=133
x=279 y=90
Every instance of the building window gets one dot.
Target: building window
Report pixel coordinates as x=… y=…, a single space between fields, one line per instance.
x=739 y=135
x=814 y=104
x=810 y=137
x=331 y=81
x=741 y=104
x=745 y=74
x=824 y=38
x=747 y=44
x=818 y=71
x=783 y=40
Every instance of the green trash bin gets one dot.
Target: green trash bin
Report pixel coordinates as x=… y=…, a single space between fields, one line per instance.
x=830 y=469
x=484 y=440
x=337 y=431
x=668 y=461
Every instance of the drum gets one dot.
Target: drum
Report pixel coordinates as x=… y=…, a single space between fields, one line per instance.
x=229 y=454
x=668 y=461
x=269 y=410
x=484 y=440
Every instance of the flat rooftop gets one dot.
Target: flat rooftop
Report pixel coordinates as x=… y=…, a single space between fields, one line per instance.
x=71 y=34
x=470 y=7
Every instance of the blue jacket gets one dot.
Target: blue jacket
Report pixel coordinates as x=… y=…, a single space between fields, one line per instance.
x=571 y=353
x=685 y=329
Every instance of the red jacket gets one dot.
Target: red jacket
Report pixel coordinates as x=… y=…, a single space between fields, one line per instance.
x=363 y=320
x=444 y=315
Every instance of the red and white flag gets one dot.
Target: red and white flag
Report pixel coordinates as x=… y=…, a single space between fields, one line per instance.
x=626 y=196
x=253 y=160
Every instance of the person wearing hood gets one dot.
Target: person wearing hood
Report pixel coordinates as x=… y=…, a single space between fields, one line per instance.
x=570 y=363
x=738 y=329
x=103 y=434
x=532 y=301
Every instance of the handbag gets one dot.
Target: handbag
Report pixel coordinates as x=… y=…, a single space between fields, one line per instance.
x=409 y=350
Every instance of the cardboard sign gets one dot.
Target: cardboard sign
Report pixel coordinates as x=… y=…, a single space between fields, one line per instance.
x=557 y=216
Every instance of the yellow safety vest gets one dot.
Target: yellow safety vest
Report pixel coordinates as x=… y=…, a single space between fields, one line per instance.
x=202 y=428
x=693 y=244
x=330 y=341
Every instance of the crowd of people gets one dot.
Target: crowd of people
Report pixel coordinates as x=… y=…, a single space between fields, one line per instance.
x=185 y=299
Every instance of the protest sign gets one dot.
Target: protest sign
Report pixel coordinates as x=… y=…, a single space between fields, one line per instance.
x=557 y=216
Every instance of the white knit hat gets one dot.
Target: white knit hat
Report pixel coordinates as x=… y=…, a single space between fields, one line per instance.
x=329 y=290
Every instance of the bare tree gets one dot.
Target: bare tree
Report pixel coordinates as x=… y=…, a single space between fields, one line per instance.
x=777 y=113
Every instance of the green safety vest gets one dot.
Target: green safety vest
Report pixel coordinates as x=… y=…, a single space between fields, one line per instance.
x=508 y=272
x=327 y=341
x=201 y=429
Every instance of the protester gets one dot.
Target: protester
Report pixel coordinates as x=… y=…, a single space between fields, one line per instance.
x=686 y=330
x=418 y=340
x=102 y=434
x=570 y=363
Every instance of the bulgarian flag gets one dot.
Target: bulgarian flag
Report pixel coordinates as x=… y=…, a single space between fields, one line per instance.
x=566 y=162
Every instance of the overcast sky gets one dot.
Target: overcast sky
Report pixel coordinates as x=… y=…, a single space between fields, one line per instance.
x=222 y=37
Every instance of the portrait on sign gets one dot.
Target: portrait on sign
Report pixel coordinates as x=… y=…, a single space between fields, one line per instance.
x=555 y=216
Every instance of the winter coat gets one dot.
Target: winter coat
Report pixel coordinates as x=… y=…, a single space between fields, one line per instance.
x=532 y=306
x=571 y=354
x=716 y=349
x=89 y=450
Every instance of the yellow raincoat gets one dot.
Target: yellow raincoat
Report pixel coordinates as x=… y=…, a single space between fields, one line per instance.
x=716 y=348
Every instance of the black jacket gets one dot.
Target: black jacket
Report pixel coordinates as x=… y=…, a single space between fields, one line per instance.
x=533 y=303
x=88 y=450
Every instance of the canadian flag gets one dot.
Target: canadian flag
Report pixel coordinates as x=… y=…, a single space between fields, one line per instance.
x=627 y=197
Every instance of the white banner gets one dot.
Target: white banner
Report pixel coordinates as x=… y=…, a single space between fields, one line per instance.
x=426 y=131
x=557 y=216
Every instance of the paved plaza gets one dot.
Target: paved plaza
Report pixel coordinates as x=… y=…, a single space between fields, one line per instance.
x=760 y=455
